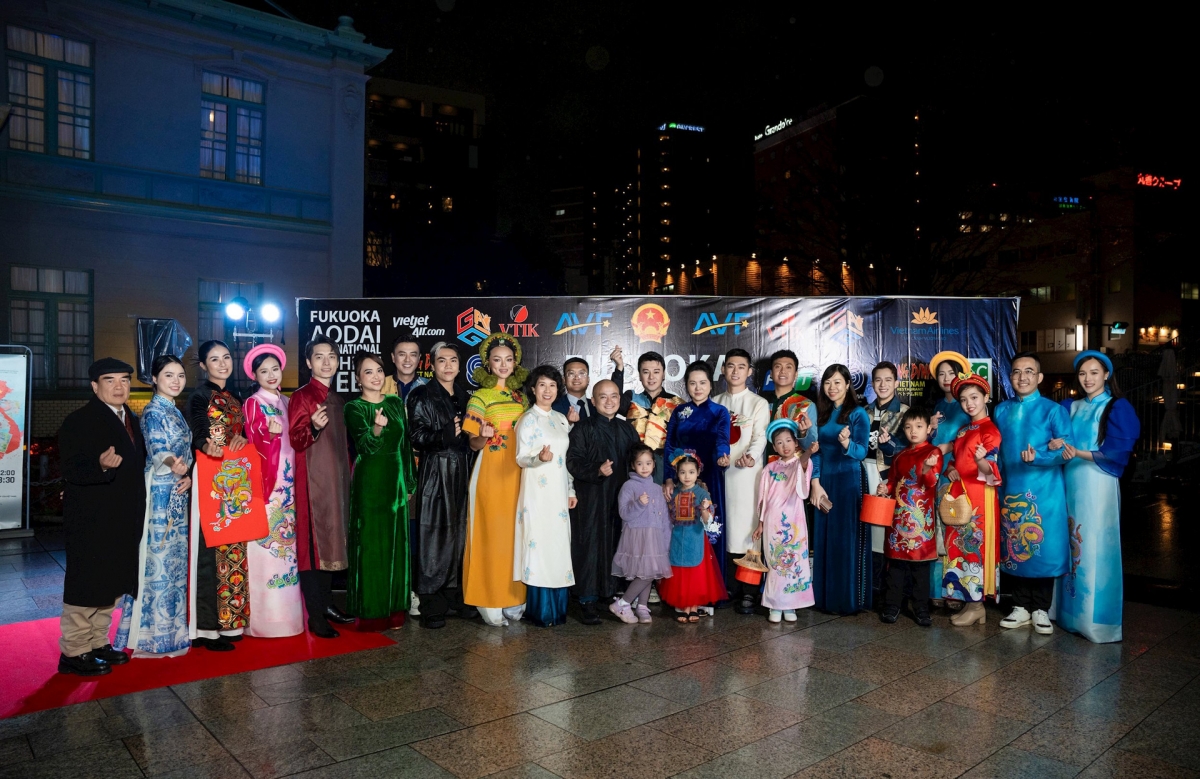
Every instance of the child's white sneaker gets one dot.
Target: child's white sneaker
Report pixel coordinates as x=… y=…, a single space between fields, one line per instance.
x=653 y=598
x=789 y=615
x=776 y=615
x=414 y=605
x=622 y=611
x=1041 y=623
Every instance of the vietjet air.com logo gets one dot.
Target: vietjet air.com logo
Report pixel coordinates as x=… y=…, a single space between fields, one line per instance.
x=569 y=322
x=473 y=326
x=711 y=323
x=924 y=316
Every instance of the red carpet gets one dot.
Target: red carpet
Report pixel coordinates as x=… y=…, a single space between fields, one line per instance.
x=29 y=679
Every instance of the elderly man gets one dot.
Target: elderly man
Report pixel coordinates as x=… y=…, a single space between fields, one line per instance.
x=104 y=508
x=598 y=460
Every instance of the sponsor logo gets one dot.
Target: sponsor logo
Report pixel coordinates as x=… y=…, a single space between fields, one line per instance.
x=650 y=323
x=569 y=322
x=710 y=323
x=473 y=326
x=519 y=326
x=418 y=324
x=473 y=362
x=924 y=316
x=845 y=320
x=790 y=326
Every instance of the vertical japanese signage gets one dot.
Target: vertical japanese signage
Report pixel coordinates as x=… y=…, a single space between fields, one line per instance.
x=15 y=364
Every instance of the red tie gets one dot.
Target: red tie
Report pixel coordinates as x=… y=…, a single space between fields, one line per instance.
x=128 y=424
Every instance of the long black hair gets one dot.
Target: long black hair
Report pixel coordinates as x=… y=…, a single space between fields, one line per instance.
x=162 y=361
x=825 y=405
x=933 y=391
x=1113 y=388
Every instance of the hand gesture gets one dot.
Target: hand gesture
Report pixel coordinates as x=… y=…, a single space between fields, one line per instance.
x=573 y=414
x=723 y=461
x=236 y=443
x=606 y=468
x=706 y=504
x=804 y=423
x=381 y=419
x=211 y=449
x=1056 y=444
x=757 y=534
x=274 y=426
x=1028 y=454
x=487 y=430
x=457 y=426
x=572 y=502
x=668 y=488
x=882 y=489
x=980 y=452
x=884 y=436
x=179 y=467
x=618 y=358
x=745 y=461
x=546 y=455
x=814 y=448
x=109 y=459
x=320 y=417
x=844 y=438
x=931 y=461
x=933 y=421
x=644 y=499
x=184 y=485
x=1069 y=452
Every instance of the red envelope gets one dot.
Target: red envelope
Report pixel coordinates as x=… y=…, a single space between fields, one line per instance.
x=229 y=497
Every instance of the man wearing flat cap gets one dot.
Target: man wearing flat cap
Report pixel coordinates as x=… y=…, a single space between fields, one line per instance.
x=104 y=508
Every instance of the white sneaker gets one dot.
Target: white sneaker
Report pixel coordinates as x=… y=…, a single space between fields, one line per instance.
x=653 y=598
x=414 y=609
x=775 y=615
x=1017 y=618
x=1041 y=623
x=707 y=611
x=789 y=615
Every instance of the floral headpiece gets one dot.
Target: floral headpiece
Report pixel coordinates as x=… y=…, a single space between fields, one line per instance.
x=965 y=380
x=685 y=453
x=484 y=378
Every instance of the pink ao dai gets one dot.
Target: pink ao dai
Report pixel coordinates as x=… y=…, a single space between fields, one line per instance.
x=783 y=487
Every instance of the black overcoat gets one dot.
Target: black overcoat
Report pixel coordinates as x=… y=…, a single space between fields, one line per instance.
x=442 y=477
x=595 y=521
x=104 y=512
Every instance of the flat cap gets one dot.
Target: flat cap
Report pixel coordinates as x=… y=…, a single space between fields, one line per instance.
x=106 y=365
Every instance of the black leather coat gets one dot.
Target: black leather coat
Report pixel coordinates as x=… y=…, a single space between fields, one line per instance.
x=443 y=473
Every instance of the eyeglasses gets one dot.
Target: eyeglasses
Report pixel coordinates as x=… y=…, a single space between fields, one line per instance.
x=577 y=374
x=1026 y=372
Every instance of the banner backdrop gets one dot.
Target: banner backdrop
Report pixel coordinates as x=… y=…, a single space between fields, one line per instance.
x=855 y=331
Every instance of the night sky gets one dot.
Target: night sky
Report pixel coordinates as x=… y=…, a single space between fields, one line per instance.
x=569 y=85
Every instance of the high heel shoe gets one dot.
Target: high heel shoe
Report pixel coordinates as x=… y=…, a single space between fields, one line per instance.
x=970 y=614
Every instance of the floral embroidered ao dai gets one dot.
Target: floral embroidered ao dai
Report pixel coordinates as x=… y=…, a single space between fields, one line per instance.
x=911 y=536
x=783 y=487
x=155 y=623
x=972 y=570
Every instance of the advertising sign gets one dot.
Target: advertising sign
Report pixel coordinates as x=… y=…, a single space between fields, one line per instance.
x=15 y=365
x=855 y=331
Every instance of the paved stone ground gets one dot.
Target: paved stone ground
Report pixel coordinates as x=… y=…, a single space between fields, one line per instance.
x=733 y=696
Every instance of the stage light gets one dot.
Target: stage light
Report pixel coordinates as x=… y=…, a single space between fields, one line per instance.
x=270 y=313
x=236 y=308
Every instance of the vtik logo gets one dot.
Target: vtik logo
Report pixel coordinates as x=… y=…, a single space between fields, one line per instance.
x=924 y=317
x=569 y=322
x=519 y=327
x=790 y=326
x=709 y=323
x=473 y=326
x=845 y=320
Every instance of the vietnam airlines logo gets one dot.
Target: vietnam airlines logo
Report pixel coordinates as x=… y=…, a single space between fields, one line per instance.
x=473 y=326
x=709 y=323
x=844 y=320
x=569 y=322
x=924 y=317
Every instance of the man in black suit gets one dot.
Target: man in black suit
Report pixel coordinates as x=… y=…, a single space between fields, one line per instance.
x=104 y=508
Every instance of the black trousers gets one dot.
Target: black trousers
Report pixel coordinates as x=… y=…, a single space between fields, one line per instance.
x=439 y=603
x=1032 y=594
x=738 y=589
x=317 y=588
x=207 y=617
x=905 y=574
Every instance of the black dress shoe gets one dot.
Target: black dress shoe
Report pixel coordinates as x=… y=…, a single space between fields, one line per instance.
x=468 y=612
x=745 y=605
x=87 y=664
x=890 y=614
x=433 y=621
x=322 y=631
x=233 y=639
x=334 y=614
x=110 y=655
x=590 y=617
x=213 y=644
x=923 y=618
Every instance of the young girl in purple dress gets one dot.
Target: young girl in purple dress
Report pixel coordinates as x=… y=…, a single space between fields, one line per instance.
x=643 y=553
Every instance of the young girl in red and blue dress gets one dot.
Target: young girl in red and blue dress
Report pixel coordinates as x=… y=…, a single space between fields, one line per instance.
x=696 y=580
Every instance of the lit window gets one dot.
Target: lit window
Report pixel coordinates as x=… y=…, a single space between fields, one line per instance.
x=1004 y=217
x=379 y=249
x=1189 y=290
x=49 y=84
x=241 y=103
x=985 y=228
x=665 y=221
x=666 y=204
x=964 y=228
x=965 y=215
x=563 y=211
x=448 y=205
x=665 y=239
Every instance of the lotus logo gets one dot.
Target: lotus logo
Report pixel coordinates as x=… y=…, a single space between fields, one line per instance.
x=924 y=317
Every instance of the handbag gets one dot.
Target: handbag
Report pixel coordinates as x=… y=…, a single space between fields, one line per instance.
x=954 y=512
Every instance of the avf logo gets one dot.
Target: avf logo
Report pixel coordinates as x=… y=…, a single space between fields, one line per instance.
x=473 y=326
x=709 y=323
x=569 y=322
